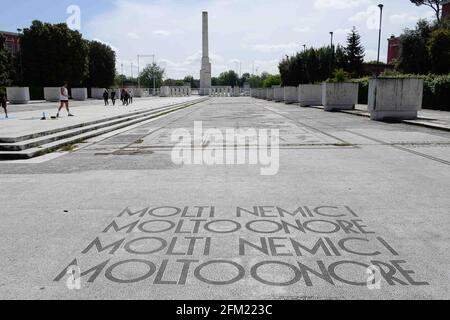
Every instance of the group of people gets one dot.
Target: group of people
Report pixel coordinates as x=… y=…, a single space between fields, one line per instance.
x=125 y=96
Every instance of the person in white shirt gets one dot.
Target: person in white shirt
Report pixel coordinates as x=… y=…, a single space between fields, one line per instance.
x=64 y=100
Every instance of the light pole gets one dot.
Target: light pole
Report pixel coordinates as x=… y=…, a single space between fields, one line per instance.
x=154 y=76
x=304 y=47
x=332 y=53
x=20 y=57
x=379 y=34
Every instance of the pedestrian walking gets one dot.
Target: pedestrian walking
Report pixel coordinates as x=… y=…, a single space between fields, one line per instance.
x=64 y=100
x=126 y=97
x=106 y=97
x=3 y=103
x=130 y=95
x=113 y=97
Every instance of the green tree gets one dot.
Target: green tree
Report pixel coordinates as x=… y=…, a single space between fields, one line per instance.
x=52 y=54
x=272 y=80
x=102 y=65
x=354 y=53
x=228 y=78
x=190 y=79
x=433 y=4
x=415 y=57
x=152 y=72
x=6 y=64
x=439 y=50
x=244 y=79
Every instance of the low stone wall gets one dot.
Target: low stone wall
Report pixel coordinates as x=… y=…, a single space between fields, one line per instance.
x=310 y=95
x=18 y=95
x=290 y=95
x=399 y=99
x=339 y=95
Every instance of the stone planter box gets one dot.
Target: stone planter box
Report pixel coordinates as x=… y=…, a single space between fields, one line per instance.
x=278 y=94
x=269 y=94
x=310 y=95
x=138 y=93
x=398 y=99
x=18 y=95
x=339 y=96
x=290 y=95
x=79 y=94
x=97 y=93
x=164 y=91
x=52 y=94
x=263 y=94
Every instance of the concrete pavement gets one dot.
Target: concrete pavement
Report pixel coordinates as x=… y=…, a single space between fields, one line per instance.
x=350 y=194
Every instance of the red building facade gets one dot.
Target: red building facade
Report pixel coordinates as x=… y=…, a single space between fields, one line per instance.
x=12 y=42
x=393 y=49
x=445 y=9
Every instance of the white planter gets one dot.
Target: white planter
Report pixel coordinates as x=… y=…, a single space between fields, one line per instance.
x=310 y=95
x=269 y=95
x=164 y=91
x=79 y=94
x=398 y=99
x=18 y=95
x=138 y=93
x=97 y=93
x=290 y=95
x=339 y=96
x=52 y=94
x=278 y=94
x=264 y=94
x=117 y=91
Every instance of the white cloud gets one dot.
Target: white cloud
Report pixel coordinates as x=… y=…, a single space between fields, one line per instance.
x=162 y=33
x=302 y=29
x=133 y=35
x=264 y=31
x=274 y=47
x=406 y=17
x=342 y=31
x=339 y=4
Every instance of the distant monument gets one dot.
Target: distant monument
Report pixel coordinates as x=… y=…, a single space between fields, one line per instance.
x=205 y=72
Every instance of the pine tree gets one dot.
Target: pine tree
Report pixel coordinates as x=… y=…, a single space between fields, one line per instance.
x=355 y=53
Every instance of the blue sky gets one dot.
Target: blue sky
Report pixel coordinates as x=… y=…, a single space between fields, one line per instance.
x=253 y=33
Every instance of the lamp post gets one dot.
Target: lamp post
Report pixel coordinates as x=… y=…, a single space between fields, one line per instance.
x=304 y=47
x=381 y=6
x=121 y=72
x=20 y=58
x=332 y=53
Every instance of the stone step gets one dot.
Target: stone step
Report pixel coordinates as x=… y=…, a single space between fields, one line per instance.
x=40 y=140
x=34 y=135
x=63 y=139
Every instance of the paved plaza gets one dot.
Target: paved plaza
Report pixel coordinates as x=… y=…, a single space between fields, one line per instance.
x=349 y=194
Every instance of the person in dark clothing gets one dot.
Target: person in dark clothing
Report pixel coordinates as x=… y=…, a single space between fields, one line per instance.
x=113 y=97
x=106 y=97
x=126 y=97
x=3 y=103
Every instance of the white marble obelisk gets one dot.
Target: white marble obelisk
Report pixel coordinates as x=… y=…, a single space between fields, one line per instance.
x=205 y=72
